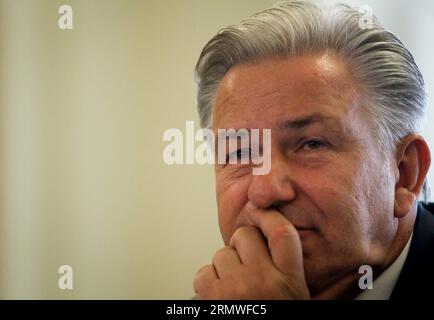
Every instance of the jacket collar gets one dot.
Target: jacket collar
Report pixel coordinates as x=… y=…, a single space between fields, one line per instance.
x=416 y=280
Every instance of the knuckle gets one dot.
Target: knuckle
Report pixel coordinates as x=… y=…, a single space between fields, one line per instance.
x=211 y=293
x=221 y=254
x=196 y=280
x=241 y=233
x=202 y=270
x=281 y=232
x=200 y=275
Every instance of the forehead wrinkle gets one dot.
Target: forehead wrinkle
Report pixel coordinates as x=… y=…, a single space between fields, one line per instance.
x=320 y=84
x=237 y=101
x=303 y=121
x=312 y=87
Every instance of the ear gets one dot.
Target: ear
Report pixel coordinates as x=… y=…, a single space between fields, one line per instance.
x=413 y=160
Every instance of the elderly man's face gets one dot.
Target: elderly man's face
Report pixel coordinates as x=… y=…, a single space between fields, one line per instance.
x=327 y=174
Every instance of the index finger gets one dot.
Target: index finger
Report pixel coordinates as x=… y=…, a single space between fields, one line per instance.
x=282 y=237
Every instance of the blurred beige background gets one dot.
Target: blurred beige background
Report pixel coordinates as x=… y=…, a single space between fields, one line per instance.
x=82 y=115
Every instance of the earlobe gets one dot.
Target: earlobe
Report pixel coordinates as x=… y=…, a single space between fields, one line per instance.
x=413 y=160
x=404 y=200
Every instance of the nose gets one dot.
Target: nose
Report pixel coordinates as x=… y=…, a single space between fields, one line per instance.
x=275 y=188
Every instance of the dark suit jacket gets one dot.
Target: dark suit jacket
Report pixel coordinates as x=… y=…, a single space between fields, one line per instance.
x=416 y=280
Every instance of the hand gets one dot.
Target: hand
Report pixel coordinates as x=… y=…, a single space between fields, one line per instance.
x=250 y=269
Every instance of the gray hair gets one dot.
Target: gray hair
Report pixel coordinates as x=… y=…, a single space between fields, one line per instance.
x=376 y=57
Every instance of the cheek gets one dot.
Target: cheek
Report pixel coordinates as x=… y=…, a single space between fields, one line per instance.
x=352 y=199
x=231 y=199
x=338 y=197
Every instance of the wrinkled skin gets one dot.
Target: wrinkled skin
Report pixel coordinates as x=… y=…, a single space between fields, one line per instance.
x=328 y=204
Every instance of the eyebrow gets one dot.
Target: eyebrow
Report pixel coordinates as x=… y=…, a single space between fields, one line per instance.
x=302 y=122
x=293 y=124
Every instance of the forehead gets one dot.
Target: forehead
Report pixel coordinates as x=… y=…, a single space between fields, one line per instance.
x=258 y=94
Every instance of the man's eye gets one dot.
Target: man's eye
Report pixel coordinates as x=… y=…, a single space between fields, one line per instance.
x=312 y=145
x=239 y=155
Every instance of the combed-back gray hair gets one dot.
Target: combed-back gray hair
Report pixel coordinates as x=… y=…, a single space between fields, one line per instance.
x=377 y=59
